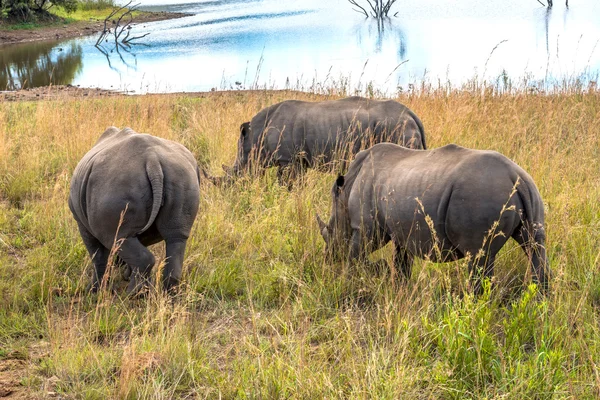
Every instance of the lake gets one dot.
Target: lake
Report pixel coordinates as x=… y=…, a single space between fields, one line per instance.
x=315 y=44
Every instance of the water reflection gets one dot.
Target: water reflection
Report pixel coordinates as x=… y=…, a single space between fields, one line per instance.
x=546 y=26
x=39 y=64
x=122 y=54
x=374 y=32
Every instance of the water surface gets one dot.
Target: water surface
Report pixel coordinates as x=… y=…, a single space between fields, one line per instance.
x=307 y=44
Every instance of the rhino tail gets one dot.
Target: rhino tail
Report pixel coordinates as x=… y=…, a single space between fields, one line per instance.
x=156 y=177
x=533 y=224
x=532 y=203
x=421 y=128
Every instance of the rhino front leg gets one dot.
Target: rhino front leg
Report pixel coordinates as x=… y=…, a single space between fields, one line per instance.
x=174 y=265
x=99 y=255
x=480 y=268
x=140 y=260
x=356 y=248
x=287 y=175
x=360 y=248
x=533 y=243
x=403 y=262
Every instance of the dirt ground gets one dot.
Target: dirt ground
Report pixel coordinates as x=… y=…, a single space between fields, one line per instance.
x=11 y=373
x=74 y=29
x=54 y=92
x=14 y=368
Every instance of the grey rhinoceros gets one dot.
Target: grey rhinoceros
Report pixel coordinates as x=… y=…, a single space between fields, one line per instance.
x=443 y=204
x=154 y=184
x=302 y=134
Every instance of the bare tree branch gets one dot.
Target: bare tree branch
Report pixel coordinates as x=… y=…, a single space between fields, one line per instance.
x=127 y=41
x=378 y=8
x=353 y=2
x=110 y=16
x=123 y=24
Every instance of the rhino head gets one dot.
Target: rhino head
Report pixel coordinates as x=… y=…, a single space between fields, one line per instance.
x=337 y=232
x=243 y=151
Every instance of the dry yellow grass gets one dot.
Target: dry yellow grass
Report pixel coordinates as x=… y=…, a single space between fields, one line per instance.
x=261 y=314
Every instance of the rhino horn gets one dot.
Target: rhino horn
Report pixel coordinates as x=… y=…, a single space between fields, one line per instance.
x=214 y=179
x=322 y=225
x=228 y=170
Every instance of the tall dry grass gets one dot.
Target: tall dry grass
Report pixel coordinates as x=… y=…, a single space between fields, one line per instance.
x=262 y=315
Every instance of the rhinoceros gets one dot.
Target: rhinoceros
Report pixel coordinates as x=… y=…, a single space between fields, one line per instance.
x=153 y=184
x=304 y=134
x=442 y=204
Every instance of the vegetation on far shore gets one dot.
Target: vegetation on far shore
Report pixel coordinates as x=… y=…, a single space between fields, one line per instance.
x=261 y=314
x=29 y=14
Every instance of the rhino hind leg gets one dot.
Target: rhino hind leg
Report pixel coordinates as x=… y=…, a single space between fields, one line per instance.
x=140 y=260
x=99 y=255
x=175 y=251
x=533 y=243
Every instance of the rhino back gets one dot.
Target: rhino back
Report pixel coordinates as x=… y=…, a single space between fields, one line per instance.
x=458 y=189
x=322 y=129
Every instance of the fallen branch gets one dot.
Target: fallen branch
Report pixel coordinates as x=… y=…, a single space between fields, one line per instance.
x=120 y=26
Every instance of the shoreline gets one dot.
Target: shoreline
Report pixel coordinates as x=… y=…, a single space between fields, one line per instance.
x=63 y=92
x=70 y=30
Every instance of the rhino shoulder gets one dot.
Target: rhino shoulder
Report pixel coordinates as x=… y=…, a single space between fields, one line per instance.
x=113 y=132
x=355 y=99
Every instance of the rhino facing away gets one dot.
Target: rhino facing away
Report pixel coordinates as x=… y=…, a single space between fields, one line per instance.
x=155 y=182
x=389 y=190
x=303 y=134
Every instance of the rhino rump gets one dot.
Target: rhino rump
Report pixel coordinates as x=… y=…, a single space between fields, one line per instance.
x=124 y=171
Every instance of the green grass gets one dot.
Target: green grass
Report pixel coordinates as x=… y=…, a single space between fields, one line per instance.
x=261 y=314
x=87 y=10
x=25 y=26
x=86 y=5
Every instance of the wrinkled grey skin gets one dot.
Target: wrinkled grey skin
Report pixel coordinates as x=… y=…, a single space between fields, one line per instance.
x=303 y=134
x=156 y=181
x=463 y=191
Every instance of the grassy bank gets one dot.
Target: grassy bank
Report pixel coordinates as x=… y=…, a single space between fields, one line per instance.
x=87 y=11
x=262 y=315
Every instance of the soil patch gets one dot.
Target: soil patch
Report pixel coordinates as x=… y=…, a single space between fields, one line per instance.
x=55 y=92
x=11 y=373
x=60 y=92
x=75 y=29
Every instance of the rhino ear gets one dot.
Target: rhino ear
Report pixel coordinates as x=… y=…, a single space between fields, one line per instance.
x=340 y=181
x=228 y=170
x=244 y=128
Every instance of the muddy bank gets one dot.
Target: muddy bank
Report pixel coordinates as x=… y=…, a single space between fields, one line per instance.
x=55 y=92
x=74 y=29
